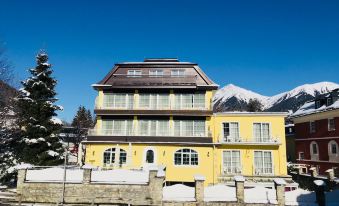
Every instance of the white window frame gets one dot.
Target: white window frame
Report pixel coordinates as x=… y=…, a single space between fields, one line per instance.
x=117 y=157
x=178 y=72
x=156 y=73
x=127 y=105
x=182 y=133
x=134 y=73
x=333 y=157
x=193 y=99
x=154 y=155
x=312 y=129
x=263 y=163
x=261 y=131
x=240 y=162
x=192 y=151
x=329 y=124
x=157 y=105
x=125 y=133
x=314 y=156
x=149 y=127
x=299 y=155
x=231 y=138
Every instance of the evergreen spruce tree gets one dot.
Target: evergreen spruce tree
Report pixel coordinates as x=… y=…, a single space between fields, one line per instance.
x=39 y=141
x=82 y=121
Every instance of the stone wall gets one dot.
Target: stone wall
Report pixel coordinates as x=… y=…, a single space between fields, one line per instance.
x=91 y=193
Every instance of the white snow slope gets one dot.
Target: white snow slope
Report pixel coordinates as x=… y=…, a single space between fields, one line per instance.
x=231 y=90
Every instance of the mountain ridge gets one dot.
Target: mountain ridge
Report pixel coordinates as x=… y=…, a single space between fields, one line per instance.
x=235 y=98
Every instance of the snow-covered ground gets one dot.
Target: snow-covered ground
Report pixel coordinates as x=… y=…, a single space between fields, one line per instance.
x=220 y=192
x=260 y=194
x=178 y=192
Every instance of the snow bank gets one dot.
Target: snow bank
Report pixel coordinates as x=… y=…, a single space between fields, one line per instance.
x=121 y=176
x=178 y=192
x=300 y=197
x=260 y=194
x=219 y=193
x=54 y=175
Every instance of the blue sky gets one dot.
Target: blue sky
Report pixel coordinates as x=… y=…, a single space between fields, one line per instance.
x=265 y=46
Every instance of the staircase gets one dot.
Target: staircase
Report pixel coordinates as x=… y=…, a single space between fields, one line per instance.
x=7 y=197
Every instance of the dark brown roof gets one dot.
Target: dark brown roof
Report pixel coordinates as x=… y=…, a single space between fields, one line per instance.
x=194 y=77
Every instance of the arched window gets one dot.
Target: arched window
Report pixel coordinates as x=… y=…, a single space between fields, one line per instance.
x=150 y=156
x=110 y=154
x=333 y=148
x=186 y=157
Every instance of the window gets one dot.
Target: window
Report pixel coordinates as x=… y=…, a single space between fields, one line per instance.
x=117 y=127
x=312 y=127
x=118 y=100
x=178 y=72
x=231 y=131
x=154 y=128
x=261 y=132
x=231 y=162
x=317 y=104
x=189 y=101
x=134 y=73
x=186 y=157
x=314 y=148
x=156 y=73
x=190 y=128
x=110 y=155
x=263 y=162
x=329 y=101
x=331 y=124
x=154 y=101
x=301 y=155
x=333 y=147
x=149 y=156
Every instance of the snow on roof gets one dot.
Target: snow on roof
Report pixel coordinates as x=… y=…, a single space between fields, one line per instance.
x=239 y=178
x=309 y=108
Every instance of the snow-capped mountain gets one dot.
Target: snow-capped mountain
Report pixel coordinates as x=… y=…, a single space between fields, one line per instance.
x=234 y=98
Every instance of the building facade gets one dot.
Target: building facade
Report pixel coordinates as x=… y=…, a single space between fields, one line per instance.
x=159 y=113
x=317 y=132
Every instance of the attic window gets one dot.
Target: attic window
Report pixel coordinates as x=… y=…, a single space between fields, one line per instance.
x=156 y=73
x=134 y=73
x=178 y=72
x=329 y=101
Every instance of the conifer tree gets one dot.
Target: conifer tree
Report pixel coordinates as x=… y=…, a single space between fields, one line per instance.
x=39 y=141
x=82 y=121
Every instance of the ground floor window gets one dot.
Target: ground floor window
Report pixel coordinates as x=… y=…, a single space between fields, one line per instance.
x=186 y=157
x=110 y=156
x=263 y=162
x=150 y=156
x=231 y=162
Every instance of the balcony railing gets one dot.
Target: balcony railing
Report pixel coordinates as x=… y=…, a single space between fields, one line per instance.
x=122 y=132
x=159 y=108
x=239 y=140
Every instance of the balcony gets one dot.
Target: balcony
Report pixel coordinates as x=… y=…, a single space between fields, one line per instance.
x=250 y=141
x=146 y=81
x=123 y=132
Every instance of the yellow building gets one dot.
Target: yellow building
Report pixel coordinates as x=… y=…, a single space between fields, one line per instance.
x=159 y=113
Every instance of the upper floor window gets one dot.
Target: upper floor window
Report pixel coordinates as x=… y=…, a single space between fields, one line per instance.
x=116 y=127
x=134 y=73
x=230 y=131
x=231 y=162
x=156 y=73
x=189 y=101
x=178 y=72
x=154 y=127
x=111 y=154
x=154 y=101
x=261 y=132
x=317 y=104
x=263 y=162
x=331 y=124
x=186 y=157
x=333 y=147
x=118 y=100
x=190 y=128
x=312 y=127
x=329 y=101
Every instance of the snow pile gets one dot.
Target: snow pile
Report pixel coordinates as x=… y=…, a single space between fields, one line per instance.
x=54 y=175
x=121 y=176
x=219 y=193
x=300 y=197
x=178 y=192
x=260 y=194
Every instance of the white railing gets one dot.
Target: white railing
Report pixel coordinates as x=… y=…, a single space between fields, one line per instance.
x=232 y=140
x=137 y=107
x=123 y=132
